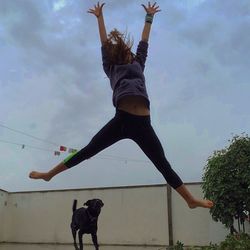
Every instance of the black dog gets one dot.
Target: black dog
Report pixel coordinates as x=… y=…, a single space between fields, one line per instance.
x=85 y=220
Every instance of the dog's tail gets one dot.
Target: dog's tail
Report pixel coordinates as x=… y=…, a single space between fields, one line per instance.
x=74 y=206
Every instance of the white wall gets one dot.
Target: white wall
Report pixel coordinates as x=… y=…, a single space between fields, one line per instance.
x=135 y=215
x=3 y=210
x=131 y=215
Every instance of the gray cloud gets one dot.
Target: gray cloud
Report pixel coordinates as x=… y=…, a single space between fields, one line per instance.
x=53 y=85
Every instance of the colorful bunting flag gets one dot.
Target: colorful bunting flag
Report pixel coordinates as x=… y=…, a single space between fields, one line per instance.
x=63 y=148
x=72 y=150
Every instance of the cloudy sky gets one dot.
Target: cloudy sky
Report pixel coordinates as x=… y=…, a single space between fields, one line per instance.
x=54 y=91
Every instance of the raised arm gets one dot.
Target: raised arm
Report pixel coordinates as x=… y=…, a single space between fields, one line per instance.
x=97 y=11
x=150 y=10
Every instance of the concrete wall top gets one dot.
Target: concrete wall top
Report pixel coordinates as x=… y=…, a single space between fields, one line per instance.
x=1 y=190
x=100 y=188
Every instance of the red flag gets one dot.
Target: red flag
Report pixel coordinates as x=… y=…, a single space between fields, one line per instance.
x=63 y=148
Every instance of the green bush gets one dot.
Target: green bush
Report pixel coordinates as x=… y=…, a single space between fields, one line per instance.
x=226 y=181
x=232 y=242
x=179 y=246
x=211 y=247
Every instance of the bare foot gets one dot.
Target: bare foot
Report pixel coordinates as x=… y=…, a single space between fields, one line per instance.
x=39 y=175
x=201 y=203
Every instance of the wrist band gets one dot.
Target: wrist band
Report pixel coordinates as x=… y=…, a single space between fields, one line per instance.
x=149 y=18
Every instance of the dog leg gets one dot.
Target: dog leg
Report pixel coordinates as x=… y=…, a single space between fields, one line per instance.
x=80 y=234
x=94 y=239
x=74 y=237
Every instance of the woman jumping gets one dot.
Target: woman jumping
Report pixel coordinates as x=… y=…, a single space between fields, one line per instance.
x=132 y=119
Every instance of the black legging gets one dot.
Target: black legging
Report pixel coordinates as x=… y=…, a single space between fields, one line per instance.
x=137 y=128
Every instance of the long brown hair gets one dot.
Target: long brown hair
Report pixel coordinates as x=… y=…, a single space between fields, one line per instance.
x=118 y=47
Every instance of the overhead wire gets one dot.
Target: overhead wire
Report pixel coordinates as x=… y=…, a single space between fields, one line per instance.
x=29 y=135
x=24 y=145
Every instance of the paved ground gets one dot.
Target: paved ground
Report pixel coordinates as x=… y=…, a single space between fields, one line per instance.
x=69 y=247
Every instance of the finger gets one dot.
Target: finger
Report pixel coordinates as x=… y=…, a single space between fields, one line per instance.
x=149 y=5
x=102 y=5
x=154 y=4
x=144 y=7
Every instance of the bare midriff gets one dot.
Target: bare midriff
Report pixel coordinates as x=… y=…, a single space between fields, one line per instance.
x=136 y=105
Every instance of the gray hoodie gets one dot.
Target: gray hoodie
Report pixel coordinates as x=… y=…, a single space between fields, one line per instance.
x=127 y=79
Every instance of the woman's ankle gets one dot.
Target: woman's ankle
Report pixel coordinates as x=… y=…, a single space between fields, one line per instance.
x=40 y=175
x=200 y=203
x=47 y=176
x=190 y=200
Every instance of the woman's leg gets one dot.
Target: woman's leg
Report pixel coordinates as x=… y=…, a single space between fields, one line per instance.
x=107 y=136
x=151 y=146
x=148 y=141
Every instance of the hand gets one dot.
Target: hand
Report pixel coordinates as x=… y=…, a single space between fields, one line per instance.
x=97 y=11
x=151 y=9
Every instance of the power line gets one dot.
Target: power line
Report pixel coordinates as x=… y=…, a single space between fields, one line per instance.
x=24 y=145
x=114 y=157
x=29 y=135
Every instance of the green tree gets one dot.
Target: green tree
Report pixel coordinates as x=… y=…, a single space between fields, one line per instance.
x=226 y=181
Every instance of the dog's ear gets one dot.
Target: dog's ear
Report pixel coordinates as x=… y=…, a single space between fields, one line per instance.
x=87 y=203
